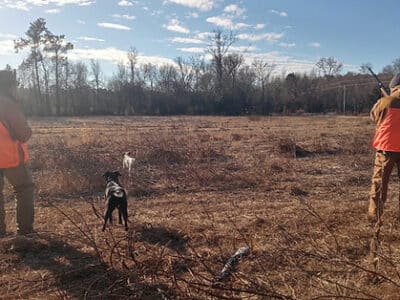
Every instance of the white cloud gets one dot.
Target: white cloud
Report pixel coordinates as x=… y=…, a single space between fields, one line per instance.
x=81 y=22
x=287 y=45
x=90 y=39
x=221 y=21
x=315 y=45
x=283 y=64
x=203 y=5
x=19 y=5
x=187 y=40
x=8 y=36
x=156 y=13
x=126 y=3
x=7 y=47
x=193 y=15
x=115 y=55
x=239 y=26
x=53 y=11
x=269 y=36
x=204 y=35
x=226 y=22
x=234 y=9
x=126 y=17
x=279 y=13
x=26 y=5
x=242 y=49
x=59 y=2
x=259 y=26
x=192 y=50
x=113 y=26
x=233 y=49
x=175 y=25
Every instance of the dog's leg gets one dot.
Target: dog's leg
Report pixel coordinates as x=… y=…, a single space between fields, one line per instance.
x=124 y=209
x=110 y=216
x=119 y=216
x=107 y=216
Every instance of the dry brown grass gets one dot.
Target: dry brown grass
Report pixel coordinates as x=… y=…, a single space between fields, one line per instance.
x=294 y=189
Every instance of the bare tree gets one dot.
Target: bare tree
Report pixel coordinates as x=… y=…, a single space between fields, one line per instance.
x=64 y=84
x=364 y=68
x=132 y=60
x=232 y=63
x=95 y=69
x=46 y=79
x=167 y=76
x=218 y=48
x=56 y=45
x=80 y=72
x=329 y=66
x=185 y=73
x=149 y=71
x=198 y=66
x=263 y=71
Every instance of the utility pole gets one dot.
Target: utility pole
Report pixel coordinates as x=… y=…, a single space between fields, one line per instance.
x=344 y=99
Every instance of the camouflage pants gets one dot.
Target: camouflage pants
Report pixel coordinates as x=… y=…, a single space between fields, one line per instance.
x=383 y=167
x=21 y=180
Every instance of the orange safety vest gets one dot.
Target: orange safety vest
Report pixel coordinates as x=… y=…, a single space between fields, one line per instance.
x=387 y=134
x=12 y=153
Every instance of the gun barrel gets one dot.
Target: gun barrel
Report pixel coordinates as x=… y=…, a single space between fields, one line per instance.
x=380 y=84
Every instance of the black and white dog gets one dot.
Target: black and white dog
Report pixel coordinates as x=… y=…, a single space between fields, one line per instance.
x=115 y=197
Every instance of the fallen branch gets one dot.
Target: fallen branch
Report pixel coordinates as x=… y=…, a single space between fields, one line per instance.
x=231 y=264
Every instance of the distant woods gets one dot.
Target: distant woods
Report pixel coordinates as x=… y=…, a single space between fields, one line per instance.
x=227 y=84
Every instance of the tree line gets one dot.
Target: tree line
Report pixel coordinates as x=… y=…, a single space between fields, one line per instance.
x=51 y=84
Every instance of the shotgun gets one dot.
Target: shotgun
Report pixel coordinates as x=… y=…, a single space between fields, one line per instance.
x=380 y=84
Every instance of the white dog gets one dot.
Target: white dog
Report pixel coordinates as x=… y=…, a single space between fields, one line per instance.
x=128 y=162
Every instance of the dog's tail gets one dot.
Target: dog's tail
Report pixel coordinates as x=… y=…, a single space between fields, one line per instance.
x=117 y=192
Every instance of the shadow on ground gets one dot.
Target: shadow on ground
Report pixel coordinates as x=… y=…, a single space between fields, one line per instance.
x=56 y=267
x=167 y=237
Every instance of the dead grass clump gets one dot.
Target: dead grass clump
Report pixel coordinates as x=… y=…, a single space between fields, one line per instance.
x=167 y=237
x=276 y=167
x=322 y=147
x=356 y=144
x=254 y=118
x=160 y=156
x=164 y=149
x=288 y=147
x=236 y=137
x=358 y=180
x=209 y=154
x=296 y=191
x=21 y=245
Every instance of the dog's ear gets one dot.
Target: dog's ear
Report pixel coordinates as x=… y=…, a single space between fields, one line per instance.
x=106 y=174
x=129 y=153
x=117 y=173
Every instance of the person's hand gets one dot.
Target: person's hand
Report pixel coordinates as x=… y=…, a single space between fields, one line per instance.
x=384 y=93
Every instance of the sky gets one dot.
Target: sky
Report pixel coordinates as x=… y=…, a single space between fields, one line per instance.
x=291 y=34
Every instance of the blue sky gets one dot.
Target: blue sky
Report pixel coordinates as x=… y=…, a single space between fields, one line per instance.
x=293 y=34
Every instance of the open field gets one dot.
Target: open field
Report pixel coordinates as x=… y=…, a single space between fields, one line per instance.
x=293 y=189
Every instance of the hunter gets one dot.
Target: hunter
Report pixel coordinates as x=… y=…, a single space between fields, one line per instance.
x=386 y=115
x=14 y=133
